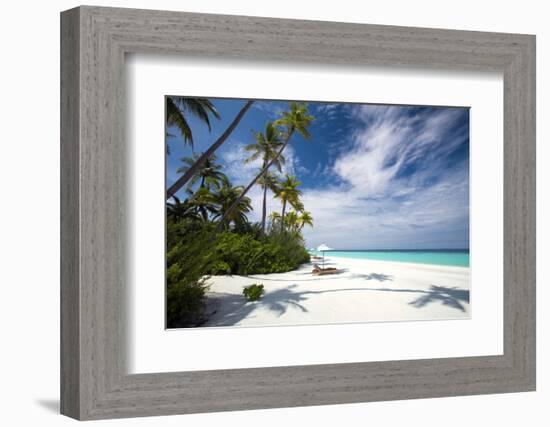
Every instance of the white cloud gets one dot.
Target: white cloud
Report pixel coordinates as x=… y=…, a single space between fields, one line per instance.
x=242 y=173
x=272 y=109
x=388 y=140
x=375 y=207
x=426 y=218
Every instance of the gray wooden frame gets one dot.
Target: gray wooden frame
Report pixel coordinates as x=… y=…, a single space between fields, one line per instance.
x=94 y=41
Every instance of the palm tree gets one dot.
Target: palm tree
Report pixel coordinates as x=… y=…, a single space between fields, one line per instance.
x=292 y=220
x=202 y=202
x=182 y=180
x=305 y=219
x=181 y=210
x=295 y=120
x=177 y=107
x=226 y=197
x=289 y=193
x=209 y=173
x=266 y=147
x=275 y=218
x=269 y=182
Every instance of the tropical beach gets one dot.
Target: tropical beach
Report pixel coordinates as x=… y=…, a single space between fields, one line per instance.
x=284 y=213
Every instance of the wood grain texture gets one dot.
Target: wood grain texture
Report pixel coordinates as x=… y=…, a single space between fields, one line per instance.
x=94 y=381
x=70 y=297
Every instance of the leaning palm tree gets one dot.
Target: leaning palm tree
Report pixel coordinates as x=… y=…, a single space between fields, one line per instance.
x=182 y=180
x=297 y=119
x=209 y=173
x=225 y=198
x=266 y=148
x=289 y=193
x=177 y=108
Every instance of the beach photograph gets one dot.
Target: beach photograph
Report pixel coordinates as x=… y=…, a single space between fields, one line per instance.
x=289 y=212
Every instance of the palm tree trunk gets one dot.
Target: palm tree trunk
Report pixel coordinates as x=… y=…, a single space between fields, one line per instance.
x=264 y=207
x=283 y=216
x=247 y=189
x=264 y=203
x=182 y=180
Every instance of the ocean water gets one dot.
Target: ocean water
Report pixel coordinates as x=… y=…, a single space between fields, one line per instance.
x=453 y=257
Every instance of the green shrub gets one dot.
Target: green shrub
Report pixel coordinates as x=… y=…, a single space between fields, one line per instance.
x=248 y=254
x=189 y=257
x=220 y=268
x=194 y=251
x=253 y=292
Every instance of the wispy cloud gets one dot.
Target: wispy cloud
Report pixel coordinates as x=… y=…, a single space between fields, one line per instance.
x=390 y=140
x=380 y=176
x=398 y=186
x=272 y=109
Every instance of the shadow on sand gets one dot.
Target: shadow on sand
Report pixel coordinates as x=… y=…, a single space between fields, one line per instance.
x=452 y=297
x=312 y=278
x=229 y=309
x=372 y=276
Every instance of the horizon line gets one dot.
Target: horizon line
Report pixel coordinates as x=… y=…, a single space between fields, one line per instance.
x=399 y=249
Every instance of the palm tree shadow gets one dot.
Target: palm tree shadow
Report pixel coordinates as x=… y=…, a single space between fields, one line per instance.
x=447 y=296
x=372 y=276
x=308 y=273
x=230 y=309
x=452 y=297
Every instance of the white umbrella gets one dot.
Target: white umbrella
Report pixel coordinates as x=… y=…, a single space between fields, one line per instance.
x=322 y=248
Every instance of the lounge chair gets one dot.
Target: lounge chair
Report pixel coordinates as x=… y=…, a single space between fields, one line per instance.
x=318 y=271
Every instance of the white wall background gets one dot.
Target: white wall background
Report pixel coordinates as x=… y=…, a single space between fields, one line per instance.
x=29 y=216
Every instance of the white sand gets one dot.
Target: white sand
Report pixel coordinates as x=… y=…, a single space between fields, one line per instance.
x=365 y=291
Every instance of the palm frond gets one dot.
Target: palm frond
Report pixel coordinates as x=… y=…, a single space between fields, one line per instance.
x=174 y=117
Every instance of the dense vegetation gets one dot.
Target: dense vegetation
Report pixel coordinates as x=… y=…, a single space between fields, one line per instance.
x=208 y=230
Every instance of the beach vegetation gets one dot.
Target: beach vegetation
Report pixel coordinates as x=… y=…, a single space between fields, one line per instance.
x=231 y=206
x=266 y=147
x=253 y=292
x=178 y=109
x=209 y=173
x=191 y=171
x=296 y=119
x=209 y=230
x=188 y=257
x=288 y=192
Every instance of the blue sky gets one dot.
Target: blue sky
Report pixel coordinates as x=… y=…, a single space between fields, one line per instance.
x=373 y=176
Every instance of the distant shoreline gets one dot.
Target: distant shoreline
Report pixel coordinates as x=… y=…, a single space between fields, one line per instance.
x=399 y=250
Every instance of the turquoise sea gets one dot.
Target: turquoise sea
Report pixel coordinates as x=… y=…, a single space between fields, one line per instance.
x=453 y=257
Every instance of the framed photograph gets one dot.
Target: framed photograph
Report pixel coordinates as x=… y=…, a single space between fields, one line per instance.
x=261 y=213
x=386 y=185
